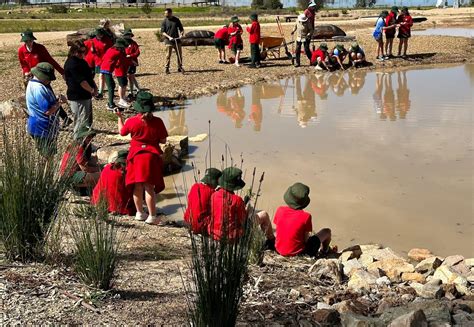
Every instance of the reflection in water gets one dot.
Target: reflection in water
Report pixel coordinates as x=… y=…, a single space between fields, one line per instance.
x=177 y=122
x=306 y=102
x=232 y=106
x=403 y=95
x=385 y=106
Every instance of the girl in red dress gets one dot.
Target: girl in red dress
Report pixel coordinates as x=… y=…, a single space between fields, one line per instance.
x=144 y=164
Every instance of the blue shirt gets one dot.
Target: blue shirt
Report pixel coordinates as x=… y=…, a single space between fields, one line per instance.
x=40 y=98
x=378 y=27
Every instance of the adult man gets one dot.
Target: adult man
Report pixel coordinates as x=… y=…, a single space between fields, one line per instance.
x=303 y=32
x=310 y=13
x=172 y=30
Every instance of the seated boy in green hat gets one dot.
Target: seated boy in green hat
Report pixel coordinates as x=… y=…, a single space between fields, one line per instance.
x=338 y=55
x=294 y=225
x=356 y=55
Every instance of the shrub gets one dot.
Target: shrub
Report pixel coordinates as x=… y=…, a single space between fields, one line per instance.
x=344 y=11
x=303 y=4
x=257 y=243
x=257 y=4
x=147 y=9
x=58 y=9
x=31 y=193
x=272 y=4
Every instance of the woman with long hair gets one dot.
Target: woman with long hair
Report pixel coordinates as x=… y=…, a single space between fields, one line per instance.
x=144 y=164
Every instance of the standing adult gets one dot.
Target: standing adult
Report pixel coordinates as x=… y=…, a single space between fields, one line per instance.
x=390 y=20
x=303 y=36
x=32 y=53
x=310 y=13
x=172 y=30
x=80 y=86
x=144 y=164
x=42 y=106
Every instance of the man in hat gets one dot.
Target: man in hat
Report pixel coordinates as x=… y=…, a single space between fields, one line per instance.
x=310 y=13
x=114 y=62
x=303 y=37
x=236 y=43
x=111 y=187
x=172 y=30
x=338 y=55
x=132 y=51
x=357 y=55
x=101 y=44
x=294 y=225
x=43 y=106
x=198 y=212
x=319 y=58
x=254 y=40
x=390 y=20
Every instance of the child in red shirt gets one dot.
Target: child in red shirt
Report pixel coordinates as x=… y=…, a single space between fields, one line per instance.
x=254 y=40
x=236 y=43
x=115 y=62
x=319 y=57
x=404 y=31
x=101 y=44
x=132 y=52
x=198 y=210
x=221 y=39
x=293 y=226
x=89 y=57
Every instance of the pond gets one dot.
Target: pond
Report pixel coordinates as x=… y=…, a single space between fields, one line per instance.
x=448 y=31
x=388 y=156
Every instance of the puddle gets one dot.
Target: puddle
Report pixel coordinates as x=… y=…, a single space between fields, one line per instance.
x=388 y=156
x=451 y=31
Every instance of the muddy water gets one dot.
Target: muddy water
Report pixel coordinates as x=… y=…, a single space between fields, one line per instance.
x=388 y=156
x=451 y=31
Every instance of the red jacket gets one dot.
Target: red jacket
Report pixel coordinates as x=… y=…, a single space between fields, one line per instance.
x=318 y=53
x=113 y=57
x=199 y=207
x=90 y=55
x=132 y=52
x=101 y=46
x=254 y=31
x=38 y=54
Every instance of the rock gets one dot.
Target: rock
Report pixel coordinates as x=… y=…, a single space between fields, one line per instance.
x=355 y=320
x=412 y=319
x=327 y=317
x=350 y=253
x=463 y=290
x=452 y=260
x=434 y=310
x=419 y=254
x=369 y=247
x=366 y=259
x=446 y=274
x=384 y=304
x=13 y=109
x=431 y=290
x=413 y=277
x=382 y=254
x=322 y=305
x=181 y=143
x=392 y=268
x=383 y=281
x=469 y=262
x=348 y=306
x=361 y=279
x=107 y=154
x=429 y=264
x=326 y=269
x=294 y=294
x=462 y=318
x=350 y=266
x=464 y=305
x=462 y=269
x=407 y=297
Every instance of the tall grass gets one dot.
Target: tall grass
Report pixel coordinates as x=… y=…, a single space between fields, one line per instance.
x=31 y=193
x=96 y=245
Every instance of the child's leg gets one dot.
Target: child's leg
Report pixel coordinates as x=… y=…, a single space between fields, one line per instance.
x=101 y=83
x=138 y=197
x=223 y=54
x=150 y=198
x=237 y=57
x=131 y=83
x=324 y=236
x=265 y=224
x=400 y=43
x=109 y=79
x=405 y=46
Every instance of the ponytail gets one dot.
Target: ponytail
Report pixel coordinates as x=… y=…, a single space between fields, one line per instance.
x=147 y=116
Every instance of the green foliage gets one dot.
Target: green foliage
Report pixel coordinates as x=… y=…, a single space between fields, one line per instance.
x=272 y=4
x=257 y=243
x=147 y=9
x=303 y=4
x=31 y=193
x=58 y=9
x=344 y=11
x=257 y=4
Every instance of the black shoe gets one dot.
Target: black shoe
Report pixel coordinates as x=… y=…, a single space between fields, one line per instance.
x=226 y=62
x=252 y=66
x=180 y=70
x=111 y=107
x=167 y=71
x=99 y=96
x=221 y=61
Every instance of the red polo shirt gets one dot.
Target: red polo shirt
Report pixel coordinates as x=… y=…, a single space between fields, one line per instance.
x=100 y=47
x=90 y=55
x=133 y=50
x=228 y=214
x=199 y=207
x=222 y=33
x=38 y=54
x=254 y=31
x=291 y=228
x=112 y=58
x=318 y=53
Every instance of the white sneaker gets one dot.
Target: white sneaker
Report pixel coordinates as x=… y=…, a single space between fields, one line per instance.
x=237 y=64
x=123 y=104
x=141 y=216
x=153 y=220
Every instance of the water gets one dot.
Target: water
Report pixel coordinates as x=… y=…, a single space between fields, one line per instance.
x=449 y=31
x=388 y=157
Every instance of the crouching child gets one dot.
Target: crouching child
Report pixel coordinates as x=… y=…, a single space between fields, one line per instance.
x=319 y=57
x=357 y=55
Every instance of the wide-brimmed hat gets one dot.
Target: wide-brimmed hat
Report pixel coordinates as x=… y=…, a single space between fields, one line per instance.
x=212 y=177
x=297 y=196
x=231 y=179
x=394 y=9
x=144 y=102
x=234 y=19
x=92 y=33
x=121 y=157
x=120 y=43
x=405 y=9
x=323 y=46
x=253 y=16
x=27 y=36
x=100 y=31
x=340 y=47
x=302 y=18
x=312 y=4
x=128 y=33
x=355 y=46
x=44 y=71
x=84 y=132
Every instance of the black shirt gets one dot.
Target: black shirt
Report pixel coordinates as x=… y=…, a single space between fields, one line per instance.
x=171 y=26
x=76 y=71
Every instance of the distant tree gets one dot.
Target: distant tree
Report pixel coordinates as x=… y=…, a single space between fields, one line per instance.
x=257 y=4
x=272 y=4
x=303 y=4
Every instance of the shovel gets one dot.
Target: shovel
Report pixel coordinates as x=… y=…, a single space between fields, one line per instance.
x=288 y=53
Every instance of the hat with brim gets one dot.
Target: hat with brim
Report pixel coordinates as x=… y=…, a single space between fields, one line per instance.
x=394 y=9
x=253 y=16
x=340 y=47
x=234 y=19
x=384 y=13
x=312 y=4
x=302 y=18
x=323 y=46
x=92 y=34
x=44 y=71
x=212 y=177
x=121 y=157
x=231 y=179
x=100 y=31
x=144 y=102
x=85 y=132
x=297 y=196
x=120 y=43
x=27 y=36
x=128 y=33
x=354 y=46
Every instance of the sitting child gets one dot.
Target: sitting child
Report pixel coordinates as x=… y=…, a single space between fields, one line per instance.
x=198 y=212
x=111 y=187
x=319 y=57
x=338 y=55
x=356 y=55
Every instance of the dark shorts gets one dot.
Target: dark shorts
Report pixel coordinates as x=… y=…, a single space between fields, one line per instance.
x=132 y=69
x=403 y=35
x=236 y=47
x=312 y=246
x=390 y=35
x=378 y=39
x=122 y=81
x=219 y=44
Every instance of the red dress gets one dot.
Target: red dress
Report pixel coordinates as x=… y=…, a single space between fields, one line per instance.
x=144 y=164
x=199 y=207
x=111 y=186
x=228 y=215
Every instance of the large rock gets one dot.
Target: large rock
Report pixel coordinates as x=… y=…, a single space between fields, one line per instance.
x=412 y=319
x=419 y=254
x=355 y=320
x=435 y=311
x=469 y=262
x=350 y=266
x=465 y=319
x=391 y=267
x=365 y=259
x=413 y=277
x=381 y=254
x=326 y=269
x=448 y=276
x=327 y=317
x=362 y=280
x=428 y=265
x=452 y=260
x=369 y=247
x=348 y=306
x=107 y=154
x=13 y=109
x=431 y=290
x=353 y=252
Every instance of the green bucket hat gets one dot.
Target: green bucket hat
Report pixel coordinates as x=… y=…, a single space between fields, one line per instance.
x=144 y=102
x=84 y=132
x=355 y=46
x=323 y=46
x=121 y=43
x=121 y=157
x=340 y=47
x=128 y=33
x=234 y=19
x=394 y=9
x=212 y=177
x=27 y=36
x=253 y=16
x=297 y=196
x=231 y=179
x=92 y=34
x=44 y=71
x=405 y=9
x=384 y=13
x=100 y=31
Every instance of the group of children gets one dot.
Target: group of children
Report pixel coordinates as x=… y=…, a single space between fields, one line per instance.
x=323 y=59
